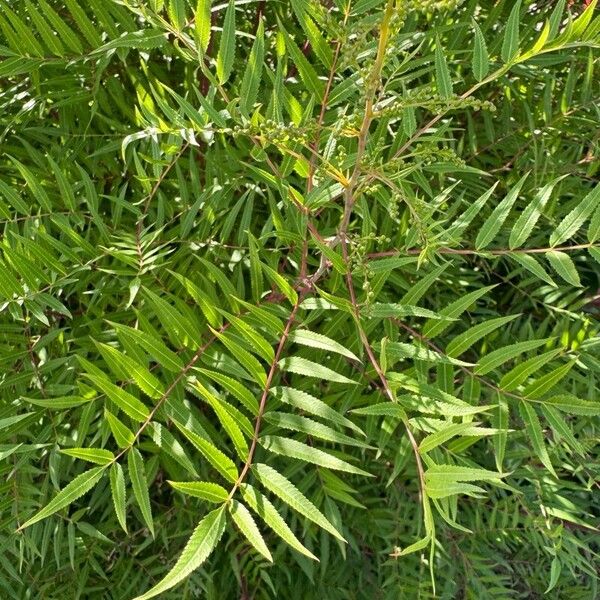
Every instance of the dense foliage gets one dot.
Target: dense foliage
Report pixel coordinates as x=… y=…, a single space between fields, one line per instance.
x=299 y=299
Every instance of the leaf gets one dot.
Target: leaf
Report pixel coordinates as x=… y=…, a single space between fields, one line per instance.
x=310 y=427
x=383 y=310
x=555 y=569
x=454 y=310
x=72 y=491
x=465 y=218
x=226 y=54
x=535 y=435
x=546 y=382
x=117 y=488
x=155 y=347
x=177 y=13
x=320 y=341
x=246 y=524
x=510 y=42
x=147 y=382
x=530 y=263
x=442 y=435
x=198 y=548
x=129 y=404
x=516 y=376
x=313 y=406
x=561 y=429
x=464 y=341
x=442 y=75
x=399 y=350
x=265 y=509
x=383 y=409
x=253 y=72
x=571 y=224
x=202 y=22
x=60 y=402
x=305 y=69
x=145 y=39
x=221 y=462
x=573 y=405
x=418 y=290
x=137 y=474
x=494 y=222
x=289 y=493
x=480 y=62
x=122 y=434
x=235 y=388
x=227 y=422
x=302 y=366
x=95 y=455
x=294 y=449
x=39 y=193
x=206 y=490
x=529 y=217
x=561 y=262
x=498 y=357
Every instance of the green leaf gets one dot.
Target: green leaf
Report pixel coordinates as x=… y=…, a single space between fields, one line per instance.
x=444 y=434
x=510 y=42
x=418 y=290
x=498 y=357
x=268 y=513
x=480 y=62
x=198 y=548
x=203 y=23
x=226 y=54
x=95 y=455
x=137 y=474
x=516 y=376
x=117 y=488
x=246 y=524
x=122 y=434
x=289 y=493
x=530 y=263
x=529 y=217
x=294 y=449
x=561 y=429
x=442 y=75
x=221 y=462
x=494 y=222
x=313 y=406
x=119 y=362
x=535 y=434
x=464 y=341
x=129 y=404
x=464 y=219
x=311 y=339
x=574 y=405
x=571 y=224
x=546 y=382
x=309 y=426
x=253 y=72
x=561 y=262
x=305 y=69
x=39 y=193
x=156 y=348
x=177 y=13
x=75 y=489
x=383 y=409
x=302 y=366
x=59 y=403
x=212 y=492
x=454 y=310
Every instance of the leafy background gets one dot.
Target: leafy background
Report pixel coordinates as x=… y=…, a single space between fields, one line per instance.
x=288 y=281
